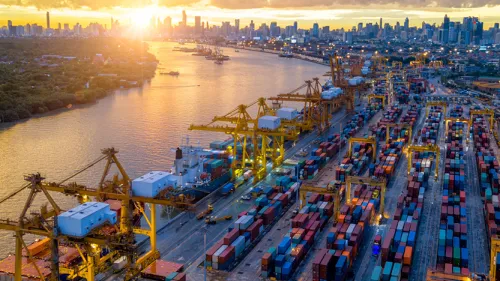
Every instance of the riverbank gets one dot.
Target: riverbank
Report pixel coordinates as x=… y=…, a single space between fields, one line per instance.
x=275 y=52
x=40 y=75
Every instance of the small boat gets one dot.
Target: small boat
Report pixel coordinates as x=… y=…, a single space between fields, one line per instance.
x=219 y=61
x=171 y=73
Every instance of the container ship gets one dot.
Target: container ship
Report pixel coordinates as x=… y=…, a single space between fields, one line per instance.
x=196 y=172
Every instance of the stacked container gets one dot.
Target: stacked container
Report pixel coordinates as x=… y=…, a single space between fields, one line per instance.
x=281 y=262
x=346 y=236
x=391 y=115
x=489 y=172
x=452 y=255
x=250 y=226
x=411 y=115
x=360 y=157
x=320 y=156
x=431 y=126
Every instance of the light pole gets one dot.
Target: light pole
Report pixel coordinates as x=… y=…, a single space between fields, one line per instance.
x=205 y=230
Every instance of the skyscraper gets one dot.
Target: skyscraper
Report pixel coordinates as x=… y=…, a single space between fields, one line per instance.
x=197 y=25
x=407 y=24
x=315 y=31
x=237 y=26
x=446 y=30
x=295 y=27
x=273 y=29
x=380 y=25
x=184 y=18
x=9 y=23
x=48 y=20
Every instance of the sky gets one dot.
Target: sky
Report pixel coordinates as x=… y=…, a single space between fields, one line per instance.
x=335 y=13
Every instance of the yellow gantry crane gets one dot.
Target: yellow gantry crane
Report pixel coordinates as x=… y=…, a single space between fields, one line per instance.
x=447 y=120
x=380 y=182
x=244 y=129
x=338 y=80
x=371 y=140
x=489 y=112
x=399 y=126
x=397 y=64
x=494 y=250
x=373 y=96
x=316 y=111
x=333 y=188
x=435 y=103
x=428 y=148
x=436 y=64
x=121 y=243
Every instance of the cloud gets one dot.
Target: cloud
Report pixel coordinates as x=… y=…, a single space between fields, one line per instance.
x=254 y=4
x=93 y=4
x=236 y=4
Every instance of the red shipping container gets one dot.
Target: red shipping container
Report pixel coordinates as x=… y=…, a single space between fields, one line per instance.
x=231 y=236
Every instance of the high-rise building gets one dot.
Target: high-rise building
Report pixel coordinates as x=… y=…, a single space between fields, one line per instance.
x=9 y=23
x=59 y=26
x=407 y=24
x=446 y=30
x=347 y=38
x=360 y=26
x=315 y=31
x=226 y=28
x=380 y=23
x=295 y=27
x=66 y=27
x=237 y=26
x=325 y=31
x=48 y=20
x=197 y=25
x=184 y=18
x=477 y=31
x=273 y=29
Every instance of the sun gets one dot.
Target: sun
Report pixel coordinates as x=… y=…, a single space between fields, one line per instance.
x=141 y=18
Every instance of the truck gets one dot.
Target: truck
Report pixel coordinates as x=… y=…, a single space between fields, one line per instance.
x=214 y=220
x=208 y=211
x=377 y=242
x=119 y=264
x=227 y=188
x=247 y=175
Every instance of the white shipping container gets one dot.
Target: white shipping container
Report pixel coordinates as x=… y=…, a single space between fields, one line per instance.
x=401 y=224
x=287 y=113
x=269 y=122
x=495 y=201
x=349 y=231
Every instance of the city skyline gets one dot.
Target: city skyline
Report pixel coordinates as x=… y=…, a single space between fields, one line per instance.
x=340 y=18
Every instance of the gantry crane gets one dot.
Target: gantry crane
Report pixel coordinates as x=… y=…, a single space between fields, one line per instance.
x=399 y=126
x=428 y=148
x=89 y=247
x=494 y=250
x=436 y=64
x=447 y=120
x=338 y=80
x=316 y=111
x=373 y=96
x=435 y=103
x=244 y=129
x=420 y=60
x=371 y=140
x=397 y=64
x=374 y=181
x=487 y=111
x=334 y=188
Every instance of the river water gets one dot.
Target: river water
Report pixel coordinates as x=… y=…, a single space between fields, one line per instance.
x=144 y=124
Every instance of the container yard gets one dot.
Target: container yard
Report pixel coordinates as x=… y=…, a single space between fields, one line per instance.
x=358 y=178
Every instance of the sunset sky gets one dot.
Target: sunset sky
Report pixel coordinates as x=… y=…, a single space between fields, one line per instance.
x=336 y=13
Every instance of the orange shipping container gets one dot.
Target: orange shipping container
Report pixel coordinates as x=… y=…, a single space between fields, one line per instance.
x=408 y=255
x=37 y=247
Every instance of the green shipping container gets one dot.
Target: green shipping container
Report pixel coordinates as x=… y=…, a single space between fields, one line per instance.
x=387 y=269
x=456 y=256
x=396 y=270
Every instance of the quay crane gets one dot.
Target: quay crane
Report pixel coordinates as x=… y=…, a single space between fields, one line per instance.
x=317 y=111
x=338 y=80
x=244 y=129
x=121 y=242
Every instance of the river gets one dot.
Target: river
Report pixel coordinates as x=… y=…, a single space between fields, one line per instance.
x=144 y=124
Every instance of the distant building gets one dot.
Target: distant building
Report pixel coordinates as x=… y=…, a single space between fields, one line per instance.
x=48 y=20
x=197 y=25
x=184 y=18
x=315 y=31
x=347 y=37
